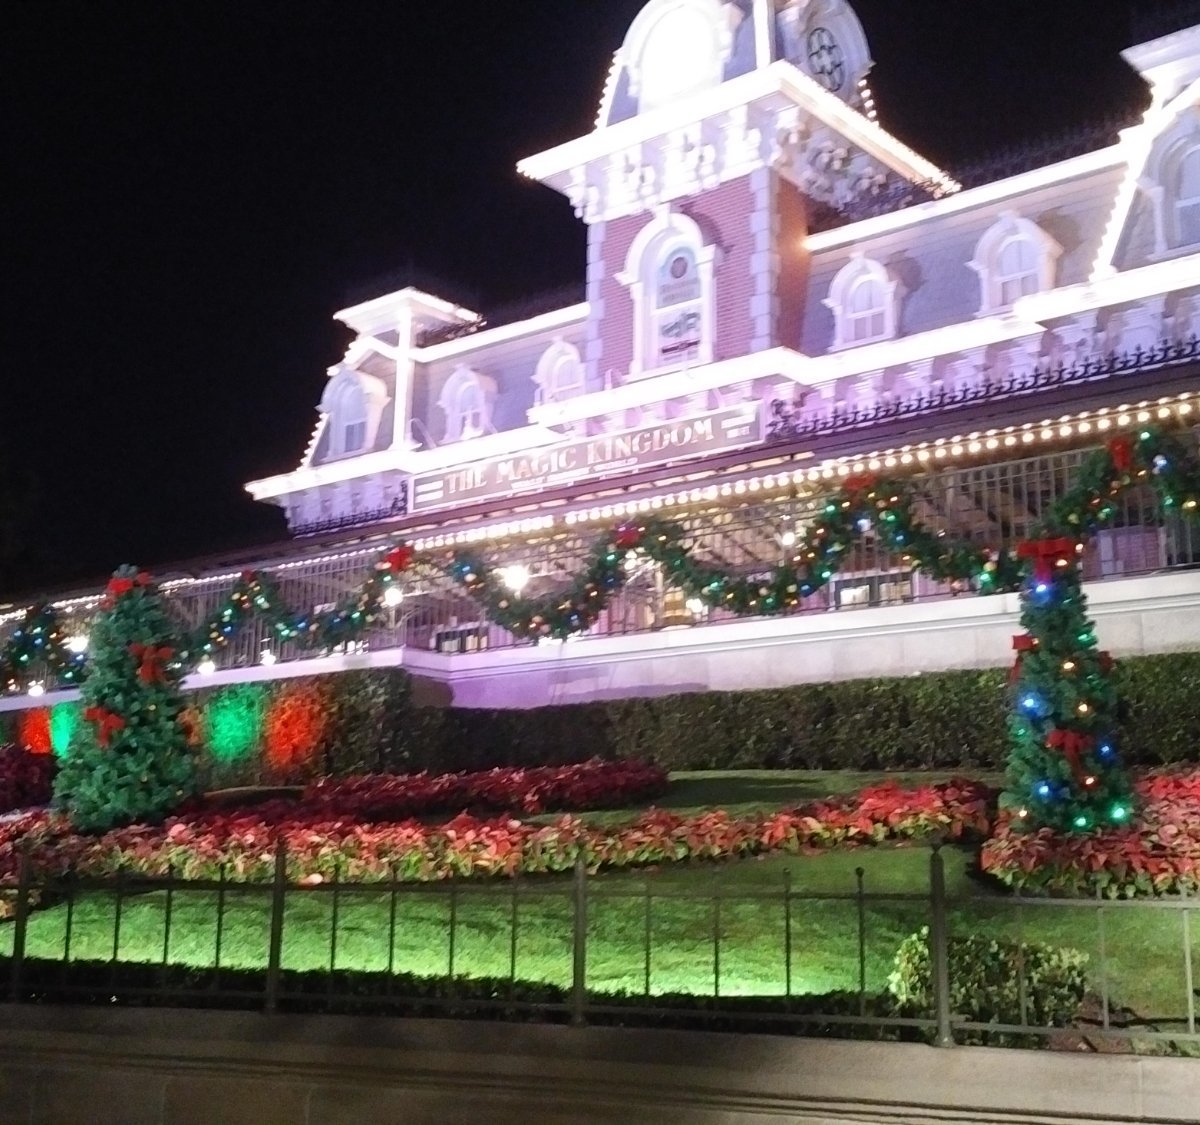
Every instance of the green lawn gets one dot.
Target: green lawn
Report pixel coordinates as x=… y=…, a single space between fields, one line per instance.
x=1144 y=945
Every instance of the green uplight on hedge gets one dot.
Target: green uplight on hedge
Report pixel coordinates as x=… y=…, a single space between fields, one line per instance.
x=64 y=719
x=235 y=721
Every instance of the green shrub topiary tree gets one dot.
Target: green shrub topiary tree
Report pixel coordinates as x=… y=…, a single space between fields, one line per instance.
x=130 y=761
x=1063 y=769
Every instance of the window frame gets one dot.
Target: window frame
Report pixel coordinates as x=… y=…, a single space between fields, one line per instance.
x=857 y=274
x=655 y=244
x=1008 y=230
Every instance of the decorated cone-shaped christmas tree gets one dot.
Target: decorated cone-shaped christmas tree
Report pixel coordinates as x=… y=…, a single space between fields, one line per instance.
x=1064 y=771
x=130 y=761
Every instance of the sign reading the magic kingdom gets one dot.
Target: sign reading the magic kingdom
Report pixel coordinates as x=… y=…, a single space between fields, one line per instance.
x=593 y=457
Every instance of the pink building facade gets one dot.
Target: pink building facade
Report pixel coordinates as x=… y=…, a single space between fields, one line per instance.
x=778 y=294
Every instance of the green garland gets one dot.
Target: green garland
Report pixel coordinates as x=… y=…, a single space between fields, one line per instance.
x=864 y=504
x=1153 y=458
x=39 y=641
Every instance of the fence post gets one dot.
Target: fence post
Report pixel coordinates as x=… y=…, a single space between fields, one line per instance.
x=20 y=924
x=275 y=949
x=579 y=943
x=939 y=947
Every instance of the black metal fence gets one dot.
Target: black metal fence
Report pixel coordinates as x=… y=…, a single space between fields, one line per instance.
x=609 y=950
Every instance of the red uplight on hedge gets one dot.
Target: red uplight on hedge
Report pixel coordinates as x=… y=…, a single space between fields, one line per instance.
x=295 y=725
x=33 y=731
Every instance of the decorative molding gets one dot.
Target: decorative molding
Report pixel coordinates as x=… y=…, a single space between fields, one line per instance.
x=789 y=424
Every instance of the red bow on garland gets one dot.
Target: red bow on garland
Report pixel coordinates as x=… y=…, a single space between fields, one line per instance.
x=1073 y=745
x=107 y=724
x=1022 y=643
x=628 y=537
x=150 y=669
x=863 y=482
x=400 y=558
x=1120 y=449
x=1046 y=555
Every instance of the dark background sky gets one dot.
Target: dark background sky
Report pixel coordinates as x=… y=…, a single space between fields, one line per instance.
x=194 y=188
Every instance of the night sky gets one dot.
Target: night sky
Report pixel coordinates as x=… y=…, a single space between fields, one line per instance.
x=194 y=188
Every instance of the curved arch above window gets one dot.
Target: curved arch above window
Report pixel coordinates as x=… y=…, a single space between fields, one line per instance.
x=1014 y=259
x=560 y=374
x=1171 y=184
x=669 y=274
x=864 y=299
x=353 y=404
x=675 y=48
x=466 y=400
x=1185 y=195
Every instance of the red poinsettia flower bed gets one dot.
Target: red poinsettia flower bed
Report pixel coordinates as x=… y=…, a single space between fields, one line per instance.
x=243 y=844
x=591 y=785
x=25 y=779
x=1158 y=855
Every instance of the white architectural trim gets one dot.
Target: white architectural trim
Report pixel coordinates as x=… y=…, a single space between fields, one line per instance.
x=780 y=78
x=404 y=460
x=1089 y=164
x=647 y=22
x=1155 y=280
x=490 y=337
x=380 y=314
x=1158 y=613
x=1138 y=144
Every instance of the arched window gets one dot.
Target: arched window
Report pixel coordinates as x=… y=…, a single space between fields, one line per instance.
x=560 y=374
x=1017 y=272
x=678 y=297
x=466 y=400
x=1014 y=259
x=669 y=275
x=863 y=297
x=1187 y=197
x=675 y=48
x=353 y=404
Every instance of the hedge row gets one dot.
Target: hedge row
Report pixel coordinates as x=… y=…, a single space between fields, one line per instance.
x=357 y=722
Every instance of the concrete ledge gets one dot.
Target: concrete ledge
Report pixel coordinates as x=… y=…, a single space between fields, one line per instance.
x=62 y=1066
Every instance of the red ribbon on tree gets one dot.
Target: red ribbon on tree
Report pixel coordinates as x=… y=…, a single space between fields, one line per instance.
x=399 y=558
x=1120 y=449
x=1107 y=663
x=1046 y=555
x=119 y=586
x=1073 y=745
x=863 y=482
x=151 y=662
x=1022 y=643
x=107 y=723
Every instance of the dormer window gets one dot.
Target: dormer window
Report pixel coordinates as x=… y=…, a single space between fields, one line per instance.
x=669 y=275
x=1017 y=272
x=1014 y=259
x=559 y=375
x=1187 y=197
x=467 y=400
x=353 y=405
x=676 y=48
x=863 y=298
